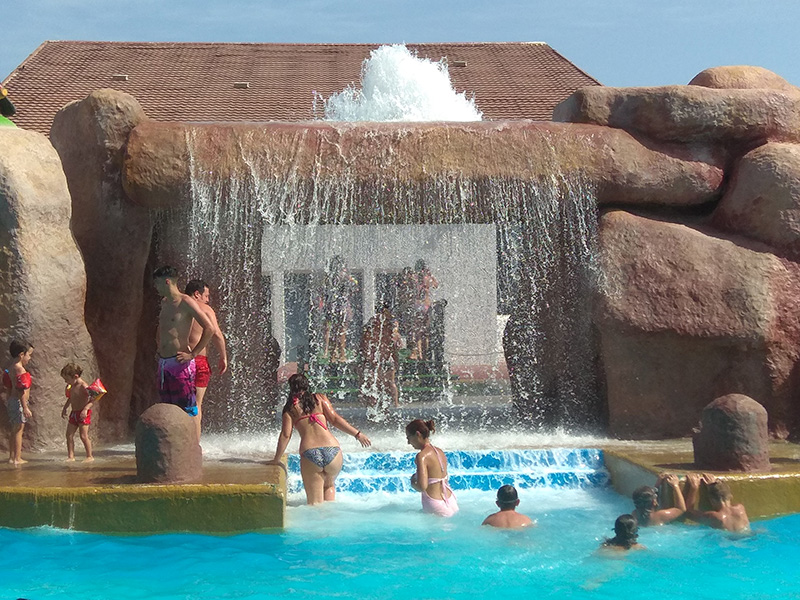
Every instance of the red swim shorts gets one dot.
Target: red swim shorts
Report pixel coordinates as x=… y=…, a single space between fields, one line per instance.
x=75 y=418
x=203 y=374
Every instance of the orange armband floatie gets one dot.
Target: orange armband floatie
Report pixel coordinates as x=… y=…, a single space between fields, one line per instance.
x=97 y=390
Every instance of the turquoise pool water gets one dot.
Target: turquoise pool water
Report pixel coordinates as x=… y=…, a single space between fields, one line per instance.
x=379 y=545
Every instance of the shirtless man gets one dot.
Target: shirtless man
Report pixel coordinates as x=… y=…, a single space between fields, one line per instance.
x=723 y=514
x=176 y=366
x=197 y=289
x=508 y=517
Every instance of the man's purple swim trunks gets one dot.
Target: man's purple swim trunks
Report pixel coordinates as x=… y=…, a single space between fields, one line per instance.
x=176 y=384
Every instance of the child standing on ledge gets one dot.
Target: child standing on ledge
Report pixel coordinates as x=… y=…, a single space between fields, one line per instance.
x=80 y=399
x=17 y=387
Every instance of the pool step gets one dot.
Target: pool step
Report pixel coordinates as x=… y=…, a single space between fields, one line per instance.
x=364 y=473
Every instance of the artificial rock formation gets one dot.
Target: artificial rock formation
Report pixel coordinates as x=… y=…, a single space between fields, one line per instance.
x=167 y=449
x=685 y=316
x=741 y=77
x=42 y=278
x=113 y=235
x=762 y=201
x=618 y=167
x=689 y=114
x=732 y=436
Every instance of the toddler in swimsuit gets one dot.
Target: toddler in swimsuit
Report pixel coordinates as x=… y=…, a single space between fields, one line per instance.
x=17 y=385
x=437 y=496
x=78 y=408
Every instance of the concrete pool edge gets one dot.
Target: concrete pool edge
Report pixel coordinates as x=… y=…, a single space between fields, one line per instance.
x=229 y=508
x=764 y=495
x=148 y=509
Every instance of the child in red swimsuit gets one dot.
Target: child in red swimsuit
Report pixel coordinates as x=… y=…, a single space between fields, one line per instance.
x=17 y=385
x=80 y=399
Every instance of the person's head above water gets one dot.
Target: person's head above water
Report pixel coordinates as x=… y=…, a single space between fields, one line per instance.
x=645 y=498
x=418 y=432
x=626 y=532
x=507 y=497
x=300 y=394
x=718 y=493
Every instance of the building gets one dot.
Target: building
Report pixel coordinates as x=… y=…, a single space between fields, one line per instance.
x=274 y=82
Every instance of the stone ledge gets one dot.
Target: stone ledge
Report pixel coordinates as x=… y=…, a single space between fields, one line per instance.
x=764 y=495
x=215 y=508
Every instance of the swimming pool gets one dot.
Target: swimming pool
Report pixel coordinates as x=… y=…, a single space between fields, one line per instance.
x=379 y=545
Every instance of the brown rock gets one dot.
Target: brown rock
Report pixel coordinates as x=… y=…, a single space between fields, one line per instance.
x=167 y=449
x=741 y=77
x=733 y=436
x=683 y=317
x=617 y=166
x=42 y=280
x=113 y=235
x=763 y=198
x=689 y=113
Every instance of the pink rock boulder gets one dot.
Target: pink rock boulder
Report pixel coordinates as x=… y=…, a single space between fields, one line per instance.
x=167 y=449
x=732 y=436
x=741 y=77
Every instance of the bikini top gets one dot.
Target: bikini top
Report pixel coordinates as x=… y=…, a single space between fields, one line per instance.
x=442 y=480
x=23 y=380
x=313 y=417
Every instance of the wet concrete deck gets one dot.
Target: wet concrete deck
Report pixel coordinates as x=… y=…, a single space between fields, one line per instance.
x=235 y=495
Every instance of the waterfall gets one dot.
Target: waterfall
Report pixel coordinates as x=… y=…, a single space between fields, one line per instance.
x=537 y=265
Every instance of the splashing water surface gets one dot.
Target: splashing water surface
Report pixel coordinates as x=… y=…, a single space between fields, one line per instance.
x=396 y=85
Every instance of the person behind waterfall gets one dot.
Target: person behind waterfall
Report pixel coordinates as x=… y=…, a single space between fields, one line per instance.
x=646 y=502
x=197 y=289
x=17 y=386
x=508 y=517
x=431 y=475
x=724 y=514
x=176 y=357
x=626 y=535
x=424 y=281
x=380 y=342
x=320 y=453
x=336 y=305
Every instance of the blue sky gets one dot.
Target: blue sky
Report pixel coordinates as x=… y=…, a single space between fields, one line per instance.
x=619 y=42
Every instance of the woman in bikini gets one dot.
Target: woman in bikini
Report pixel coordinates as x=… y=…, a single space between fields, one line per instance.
x=431 y=475
x=320 y=454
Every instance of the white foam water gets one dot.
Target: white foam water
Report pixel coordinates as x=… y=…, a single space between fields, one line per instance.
x=397 y=85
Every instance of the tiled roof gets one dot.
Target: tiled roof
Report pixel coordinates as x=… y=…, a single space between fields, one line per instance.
x=195 y=81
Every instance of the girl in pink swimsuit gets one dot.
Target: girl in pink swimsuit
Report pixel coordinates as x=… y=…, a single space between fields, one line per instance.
x=320 y=454
x=431 y=475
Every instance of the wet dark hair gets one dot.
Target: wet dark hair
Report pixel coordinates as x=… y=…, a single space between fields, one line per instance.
x=626 y=529
x=195 y=285
x=17 y=347
x=507 y=496
x=299 y=389
x=424 y=428
x=643 y=501
x=420 y=265
x=719 y=491
x=166 y=272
